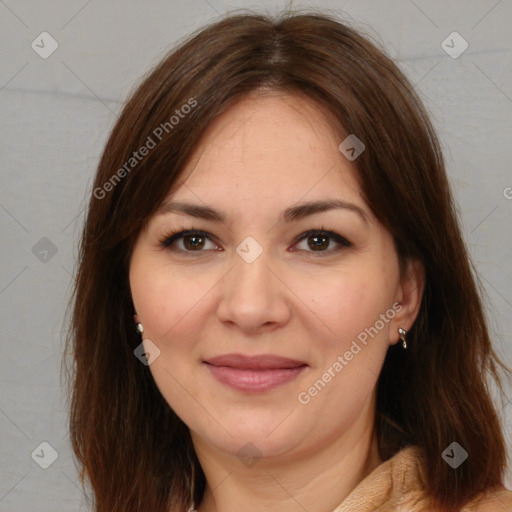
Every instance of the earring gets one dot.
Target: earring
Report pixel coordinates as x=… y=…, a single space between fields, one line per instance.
x=403 y=333
x=140 y=328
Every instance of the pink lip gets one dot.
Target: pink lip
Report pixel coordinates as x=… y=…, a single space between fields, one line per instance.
x=254 y=373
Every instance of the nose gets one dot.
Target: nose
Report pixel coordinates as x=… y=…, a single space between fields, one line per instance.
x=253 y=298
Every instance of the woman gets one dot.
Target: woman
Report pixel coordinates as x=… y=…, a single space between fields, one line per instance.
x=274 y=305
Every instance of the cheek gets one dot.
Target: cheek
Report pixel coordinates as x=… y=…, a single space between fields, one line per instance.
x=166 y=299
x=351 y=355
x=169 y=304
x=345 y=303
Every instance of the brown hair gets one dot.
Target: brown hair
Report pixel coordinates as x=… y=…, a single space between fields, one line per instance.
x=134 y=450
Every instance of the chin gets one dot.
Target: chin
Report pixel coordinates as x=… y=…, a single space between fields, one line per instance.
x=253 y=440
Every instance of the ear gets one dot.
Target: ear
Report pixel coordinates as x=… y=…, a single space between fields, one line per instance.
x=409 y=295
x=136 y=318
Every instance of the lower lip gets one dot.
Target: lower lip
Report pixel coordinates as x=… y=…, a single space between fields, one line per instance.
x=254 y=380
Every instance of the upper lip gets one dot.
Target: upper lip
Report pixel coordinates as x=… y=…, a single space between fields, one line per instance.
x=258 y=362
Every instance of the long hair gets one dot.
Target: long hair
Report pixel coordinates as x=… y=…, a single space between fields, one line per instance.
x=132 y=448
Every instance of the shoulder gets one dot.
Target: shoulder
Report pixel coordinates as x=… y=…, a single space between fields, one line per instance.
x=495 y=500
x=399 y=484
x=408 y=469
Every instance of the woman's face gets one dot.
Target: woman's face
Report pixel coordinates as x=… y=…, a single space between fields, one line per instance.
x=287 y=262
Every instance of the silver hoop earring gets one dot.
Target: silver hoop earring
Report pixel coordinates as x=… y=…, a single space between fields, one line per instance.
x=402 y=333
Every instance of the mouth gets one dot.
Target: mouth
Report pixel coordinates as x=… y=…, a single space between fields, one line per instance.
x=254 y=373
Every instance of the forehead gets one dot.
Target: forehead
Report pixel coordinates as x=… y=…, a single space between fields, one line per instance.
x=268 y=146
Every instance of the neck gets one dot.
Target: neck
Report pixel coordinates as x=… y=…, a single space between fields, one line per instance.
x=319 y=478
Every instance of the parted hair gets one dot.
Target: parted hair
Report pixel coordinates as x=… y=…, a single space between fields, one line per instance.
x=134 y=452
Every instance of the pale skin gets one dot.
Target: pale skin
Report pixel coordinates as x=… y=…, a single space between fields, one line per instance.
x=297 y=299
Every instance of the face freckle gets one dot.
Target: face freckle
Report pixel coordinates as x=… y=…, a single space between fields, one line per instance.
x=264 y=155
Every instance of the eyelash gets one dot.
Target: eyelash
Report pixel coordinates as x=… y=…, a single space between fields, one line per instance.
x=167 y=241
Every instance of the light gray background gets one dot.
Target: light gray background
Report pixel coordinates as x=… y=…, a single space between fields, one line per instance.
x=57 y=112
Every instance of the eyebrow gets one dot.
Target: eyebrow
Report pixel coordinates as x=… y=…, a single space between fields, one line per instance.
x=291 y=214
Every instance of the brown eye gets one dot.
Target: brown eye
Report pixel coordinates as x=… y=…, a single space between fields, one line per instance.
x=321 y=241
x=192 y=242
x=318 y=242
x=189 y=241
